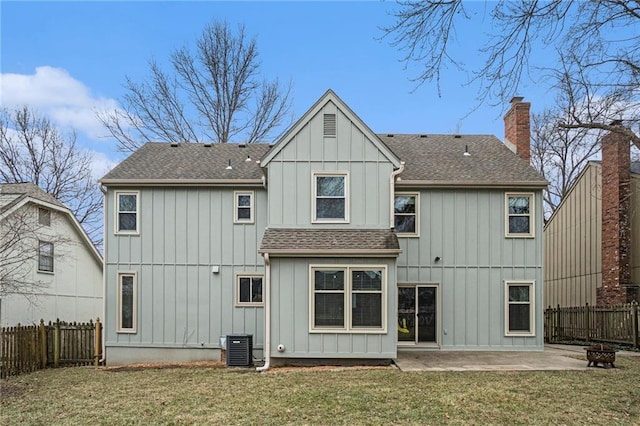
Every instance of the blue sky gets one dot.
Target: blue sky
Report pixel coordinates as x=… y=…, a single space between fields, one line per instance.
x=69 y=58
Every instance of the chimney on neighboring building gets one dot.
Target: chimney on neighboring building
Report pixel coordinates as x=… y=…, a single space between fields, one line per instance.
x=517 y=130
x=616 y=221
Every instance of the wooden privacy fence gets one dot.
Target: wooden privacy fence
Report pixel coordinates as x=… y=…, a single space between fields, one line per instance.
x=28 y=348
x=610 y=324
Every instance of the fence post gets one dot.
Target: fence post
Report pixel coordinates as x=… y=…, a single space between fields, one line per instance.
x=634 y=323
x=97 y=343
x=56 y=344
x=43 y=344
x=587 y=328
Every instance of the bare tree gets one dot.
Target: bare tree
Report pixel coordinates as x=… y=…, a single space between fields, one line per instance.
x=596 y=46
x=212 y=94
x=33 y=150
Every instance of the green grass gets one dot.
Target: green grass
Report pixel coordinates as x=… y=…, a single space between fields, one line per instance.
x=207 y=395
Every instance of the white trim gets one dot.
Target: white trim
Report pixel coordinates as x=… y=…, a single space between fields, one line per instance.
x=314 y=187
x=240 y=304
x=116 y=209
x=348 y=291
x=134 y=327
x=416 y=195
x=531 y=215
x=236 y=206
x=532 y=308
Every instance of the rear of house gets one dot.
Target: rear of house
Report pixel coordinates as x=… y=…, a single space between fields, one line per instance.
x=333 y=244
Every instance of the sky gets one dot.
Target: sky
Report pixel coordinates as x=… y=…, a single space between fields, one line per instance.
x=69 y=59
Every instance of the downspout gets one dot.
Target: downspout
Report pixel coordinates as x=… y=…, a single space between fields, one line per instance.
x=392 y=182
x=267 y=313
x=104 y=275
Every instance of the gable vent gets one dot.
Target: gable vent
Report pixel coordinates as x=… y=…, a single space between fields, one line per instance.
x=329 y=126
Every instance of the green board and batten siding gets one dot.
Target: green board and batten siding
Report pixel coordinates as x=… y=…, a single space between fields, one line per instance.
x=465 y=228
x=181 y=304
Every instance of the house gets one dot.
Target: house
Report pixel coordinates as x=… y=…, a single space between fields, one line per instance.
x=335 y=243
x=50 y=268
x=592 y=240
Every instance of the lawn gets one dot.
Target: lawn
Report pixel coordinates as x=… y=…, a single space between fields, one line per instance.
x=216 y=395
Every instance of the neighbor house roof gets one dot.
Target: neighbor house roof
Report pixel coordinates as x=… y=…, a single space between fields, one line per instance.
x=158 y=162
x=12 y=193
x=440 y=160
x=364 y=242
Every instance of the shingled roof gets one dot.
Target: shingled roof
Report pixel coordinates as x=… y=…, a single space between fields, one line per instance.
x=163 y=162
x=368 y=242
x=13 y=193
x=440 y=160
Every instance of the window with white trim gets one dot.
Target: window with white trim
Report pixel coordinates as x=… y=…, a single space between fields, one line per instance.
x=127 y=302
x=45 y=256
x=249 y=290
x=519 y=308
x=330 y=197
x=243 y=207
x=406 y=216
x=348 y=298
x=519 y=215
x=127 y=209
x=44 y=216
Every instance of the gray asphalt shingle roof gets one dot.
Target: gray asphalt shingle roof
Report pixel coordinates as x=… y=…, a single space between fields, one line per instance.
x=329 y=240
x=162 y=161
x=12 y=193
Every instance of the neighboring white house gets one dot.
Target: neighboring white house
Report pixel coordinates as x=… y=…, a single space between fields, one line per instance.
x=55 y=253
x=334 y=243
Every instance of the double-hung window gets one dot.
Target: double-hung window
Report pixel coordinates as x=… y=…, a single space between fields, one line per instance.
x=348 y=299
x=127 y=208
x=519 y=308
x=45 y=256
x=330 y=197
x=406 y=217
x=519 y=215
x=243 y=207
x=127 y=300
x=249 y=290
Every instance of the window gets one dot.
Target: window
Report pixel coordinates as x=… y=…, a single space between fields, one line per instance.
x=406 y=214
x=127 y=212
x=519 y=309
x=243 y=207
x=44 y=216
x=45 y=257
x=519 y=220
x=348 y=299
x=127 y=301
x=330 y=197
x=249 y=290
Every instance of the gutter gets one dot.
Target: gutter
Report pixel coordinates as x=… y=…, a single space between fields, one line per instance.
x=471 y=184
x=392 y=184
x=267 y=314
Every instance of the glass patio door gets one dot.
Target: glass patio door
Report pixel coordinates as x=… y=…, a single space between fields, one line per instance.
x=417 y=314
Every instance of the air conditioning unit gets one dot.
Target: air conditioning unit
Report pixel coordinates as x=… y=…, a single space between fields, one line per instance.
x=239 y=350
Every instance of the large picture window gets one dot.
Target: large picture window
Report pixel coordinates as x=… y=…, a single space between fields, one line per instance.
x=127 y=208
x=406 y=215
x=249 y=290
x=330 y=197
x=348 y=298
x=127 y=301
x=45 y=256
x=519 y=308
x=519 y=215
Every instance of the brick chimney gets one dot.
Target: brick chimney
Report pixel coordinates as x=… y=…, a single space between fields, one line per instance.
x=616 y=222
x=517 y=130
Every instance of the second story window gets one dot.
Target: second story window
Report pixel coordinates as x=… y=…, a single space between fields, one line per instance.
x=519 y=215
x=405 y=209
x=243 y=207
x=44 y=216
x=127 y=212
x=331 y=202
x=45 y=257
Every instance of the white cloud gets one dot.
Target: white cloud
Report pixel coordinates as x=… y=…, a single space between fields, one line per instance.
x=54 y=92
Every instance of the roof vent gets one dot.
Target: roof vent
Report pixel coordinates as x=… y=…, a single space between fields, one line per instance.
x=175 y=144
x=207 y=145
x=242 y=145
x=390 y=135
x=457 y=136
x=329 y=126
x=423 y=136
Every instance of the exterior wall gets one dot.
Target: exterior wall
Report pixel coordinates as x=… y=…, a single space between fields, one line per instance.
x=182 y=307
x=573 y=236
x=290 y=316
x=466 y=229
x=290 y=175
x=73 y=292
